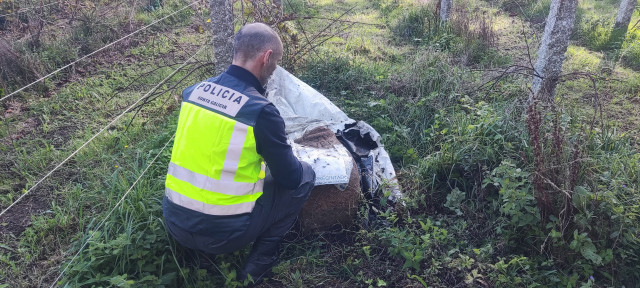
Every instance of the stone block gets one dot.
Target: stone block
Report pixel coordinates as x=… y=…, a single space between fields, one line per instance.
x=328 y=206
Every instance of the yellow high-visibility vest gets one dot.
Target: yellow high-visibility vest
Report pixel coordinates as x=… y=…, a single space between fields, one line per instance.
x=214 y=166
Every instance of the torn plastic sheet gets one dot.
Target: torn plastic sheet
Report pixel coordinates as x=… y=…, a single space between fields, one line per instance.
x=374 y=163
x=303 y=109
x=332 y=165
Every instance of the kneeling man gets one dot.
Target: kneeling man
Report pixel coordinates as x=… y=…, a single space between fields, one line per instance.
x=218 y=197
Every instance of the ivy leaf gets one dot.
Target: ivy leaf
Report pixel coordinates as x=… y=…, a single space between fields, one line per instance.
x=580 y=197
x=588 y=250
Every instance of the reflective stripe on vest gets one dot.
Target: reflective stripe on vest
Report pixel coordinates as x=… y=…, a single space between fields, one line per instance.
x=214 y=167
x=210 y=209
x=213 y=185
x=234 y=151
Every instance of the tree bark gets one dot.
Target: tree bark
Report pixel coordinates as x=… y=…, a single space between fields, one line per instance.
x=555 y=41
x=222 y=30
x=445 y=10
x=622 y=23
x=625 y=13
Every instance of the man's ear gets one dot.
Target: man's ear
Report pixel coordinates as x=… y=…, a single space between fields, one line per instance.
x=267 y=56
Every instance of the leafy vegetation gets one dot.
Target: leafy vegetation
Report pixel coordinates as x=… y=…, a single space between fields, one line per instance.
x=498 y=193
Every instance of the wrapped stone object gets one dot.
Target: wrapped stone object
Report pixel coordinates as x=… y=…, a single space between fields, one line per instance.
x=354 y=151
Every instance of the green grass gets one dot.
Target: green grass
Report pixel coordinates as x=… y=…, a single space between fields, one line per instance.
x=84 y=190
x=630 y=51
x=463 y=155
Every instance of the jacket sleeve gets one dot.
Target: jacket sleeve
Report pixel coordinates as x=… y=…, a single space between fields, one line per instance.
x=271 y=144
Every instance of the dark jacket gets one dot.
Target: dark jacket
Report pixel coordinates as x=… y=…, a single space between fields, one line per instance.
x=271 y=144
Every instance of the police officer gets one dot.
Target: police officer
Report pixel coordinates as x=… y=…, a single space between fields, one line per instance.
x=218 y=196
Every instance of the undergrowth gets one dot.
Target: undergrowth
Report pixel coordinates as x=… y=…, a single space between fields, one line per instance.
x=472 y=165
x=49 y=45
x=498 y=192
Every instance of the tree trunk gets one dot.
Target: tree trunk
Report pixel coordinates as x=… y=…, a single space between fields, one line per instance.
x=222 y=30
x=445 y=9
x=555 y=41
x=625 y=13
x=622 y=23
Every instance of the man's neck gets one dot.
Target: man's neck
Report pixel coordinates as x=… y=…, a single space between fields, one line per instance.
x=246 y=76
x=252 y=67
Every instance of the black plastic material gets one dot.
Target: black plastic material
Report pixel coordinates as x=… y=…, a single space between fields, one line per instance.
x=360 y=146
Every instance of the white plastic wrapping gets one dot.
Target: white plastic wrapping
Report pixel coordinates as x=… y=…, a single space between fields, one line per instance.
x=303 y=108
x=332 y=165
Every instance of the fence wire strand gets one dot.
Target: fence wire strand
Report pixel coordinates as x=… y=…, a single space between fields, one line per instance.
x=94 y=52
x=109 y=214
x=30 y=8
x=102 y=130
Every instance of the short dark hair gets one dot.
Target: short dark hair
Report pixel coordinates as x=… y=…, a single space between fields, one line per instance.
x=253 y=39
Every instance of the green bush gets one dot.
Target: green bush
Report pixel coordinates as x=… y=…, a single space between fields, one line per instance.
x=428 y=76
x=534 y=11
x=516 y=202
x=386 y=8
x=630 y=53
x=466 y=142
x=341 y=76
x=419 y=25
x=415 y=24
x=481 y=163
x=596 y=33
x=610 y=190
x=468 y=34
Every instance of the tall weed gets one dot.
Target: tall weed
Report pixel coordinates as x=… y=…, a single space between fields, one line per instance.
x=469 y=32
x=630 y=53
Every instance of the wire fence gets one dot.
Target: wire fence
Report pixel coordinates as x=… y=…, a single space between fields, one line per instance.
x=46 y=29
x=30 y=8
x=88 y=236
x=109 y=214
x=102 y=130
x=96 y=51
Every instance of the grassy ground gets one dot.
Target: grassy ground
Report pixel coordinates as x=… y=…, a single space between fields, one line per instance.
x=462 y=151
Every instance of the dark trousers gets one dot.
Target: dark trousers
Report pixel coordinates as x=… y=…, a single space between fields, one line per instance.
x=274 y=214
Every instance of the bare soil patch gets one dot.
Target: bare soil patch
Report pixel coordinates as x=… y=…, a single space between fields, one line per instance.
x=18 y=218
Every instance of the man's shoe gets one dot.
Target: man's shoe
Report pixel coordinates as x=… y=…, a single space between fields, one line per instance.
x=202 y=260
x=207 y=262
x=263 y=257
x=257 y=270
